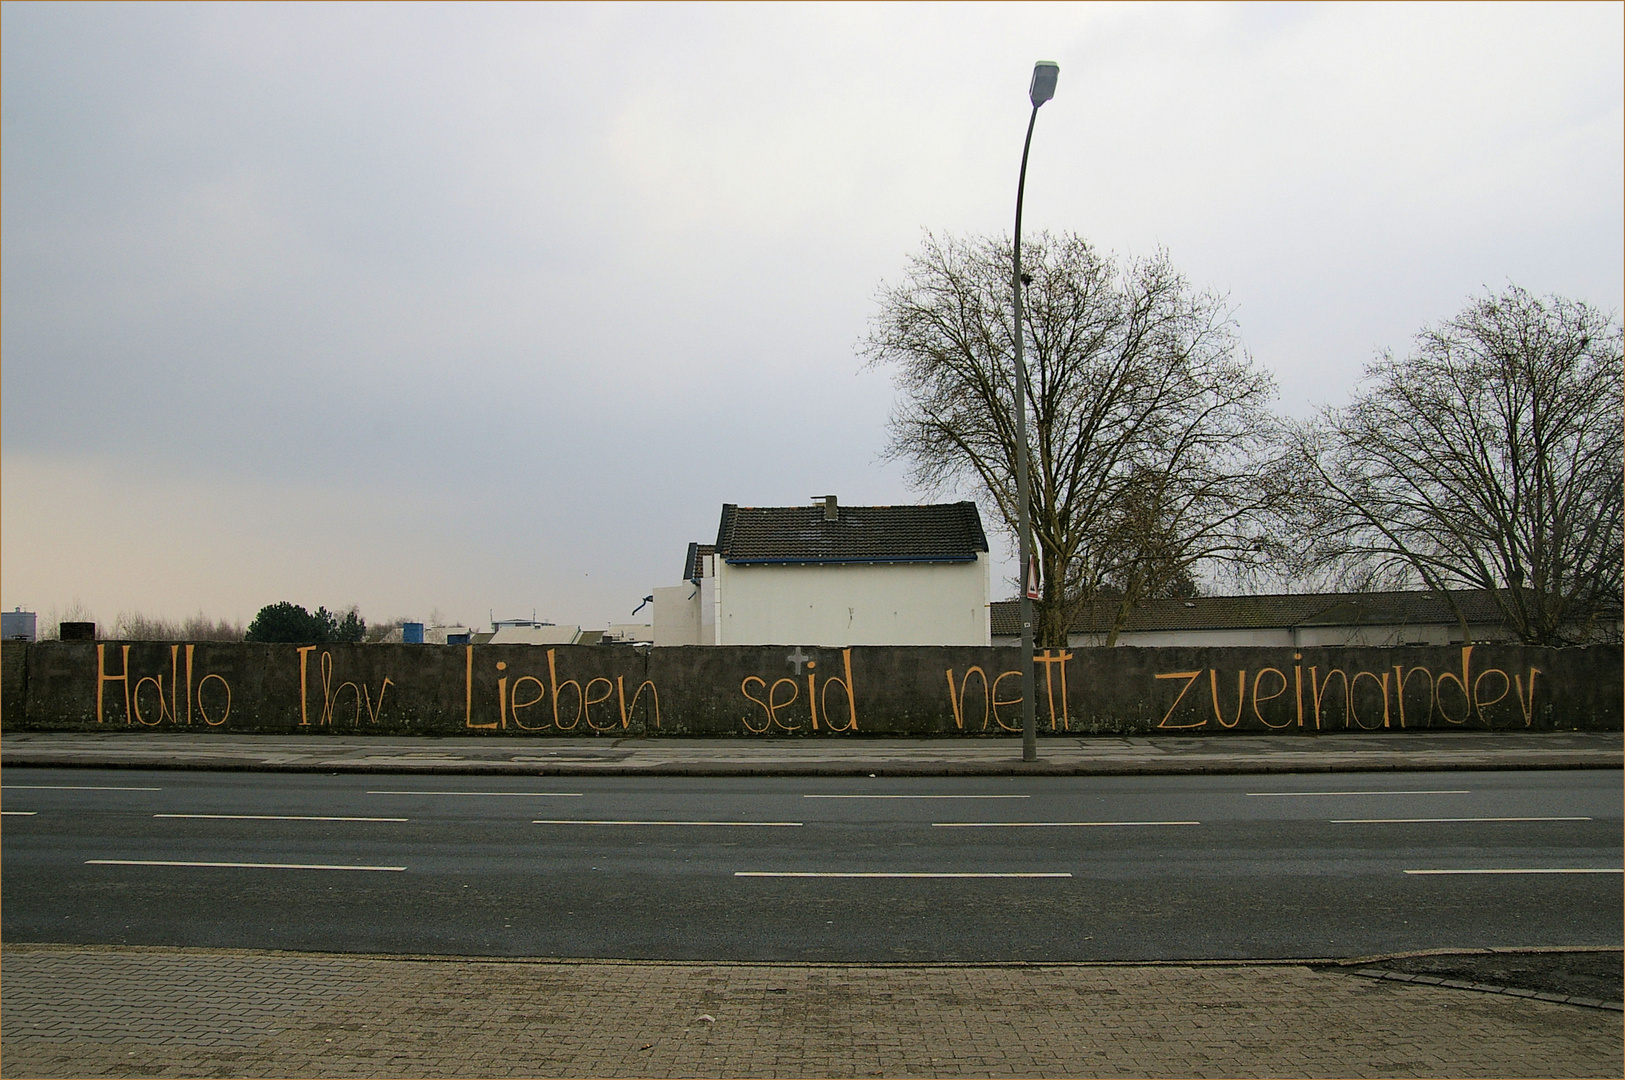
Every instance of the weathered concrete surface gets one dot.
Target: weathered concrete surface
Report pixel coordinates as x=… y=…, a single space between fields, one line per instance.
x=675 y=756
x=827 y=694
x=86 y=1011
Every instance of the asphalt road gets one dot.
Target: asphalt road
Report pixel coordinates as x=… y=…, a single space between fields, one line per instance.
x=821 y=869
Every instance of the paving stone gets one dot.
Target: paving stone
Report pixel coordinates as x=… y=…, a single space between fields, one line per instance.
x=180 y=1012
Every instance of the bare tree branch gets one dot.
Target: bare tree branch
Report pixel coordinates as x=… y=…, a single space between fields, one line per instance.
x=1489 y=458
x=1153 y=454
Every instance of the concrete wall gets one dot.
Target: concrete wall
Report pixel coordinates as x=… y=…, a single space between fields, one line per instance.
x=835 y=605
x=804 y=691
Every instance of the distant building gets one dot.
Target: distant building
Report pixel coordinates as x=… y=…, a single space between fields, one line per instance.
x=415 y=633
x=1289 y=620
x=529 y=632
x=833 y=575
x=17 y=625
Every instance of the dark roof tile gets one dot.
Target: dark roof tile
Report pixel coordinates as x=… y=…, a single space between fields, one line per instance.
x=694 y=565
x=943 y=532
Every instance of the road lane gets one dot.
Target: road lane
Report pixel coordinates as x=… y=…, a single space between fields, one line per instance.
x=854 y=869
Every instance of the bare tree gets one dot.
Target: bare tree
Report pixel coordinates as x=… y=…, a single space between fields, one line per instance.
x=1153 y=454
x=134 y=626
x=50 y=624
x=1490 y=458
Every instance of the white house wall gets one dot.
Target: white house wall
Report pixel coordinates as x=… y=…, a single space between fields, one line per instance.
x=708 y=604
x=677 y=615
x=854 y=604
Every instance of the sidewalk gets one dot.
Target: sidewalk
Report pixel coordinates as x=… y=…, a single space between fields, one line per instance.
x=814 y=756
x=113 y=1011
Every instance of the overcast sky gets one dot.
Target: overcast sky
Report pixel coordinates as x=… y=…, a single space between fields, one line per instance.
x=463 y=309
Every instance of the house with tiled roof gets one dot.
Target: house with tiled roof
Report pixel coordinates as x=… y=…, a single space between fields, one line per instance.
x=1293 y=620
x=833 y=575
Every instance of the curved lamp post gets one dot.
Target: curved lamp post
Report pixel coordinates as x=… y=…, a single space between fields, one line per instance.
x=1045 y=73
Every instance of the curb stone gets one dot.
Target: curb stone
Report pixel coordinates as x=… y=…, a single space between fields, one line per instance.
x=1484 y=988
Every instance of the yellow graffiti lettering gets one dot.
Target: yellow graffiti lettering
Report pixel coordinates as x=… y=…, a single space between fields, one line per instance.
x=1463 y=683
x=1260 y=699
x=1317 y=690
x=846 y=684
x=1241 y=696
x=558 y=690
x=588 y=701
x=204 y=713
x=514 y=704
x=372 y=711
x=1190 y=678
x=1401 y=681
x=957 y=701
x=768 y=723
x=102 y=679
x=136 y=695
x=189 y=649
x=304 y=655
x=1527 y=705
x=1480 y=702
x=774 y=704
x=996 y=701
x=1049 y=662
x=1382 y=684
x=626 y=710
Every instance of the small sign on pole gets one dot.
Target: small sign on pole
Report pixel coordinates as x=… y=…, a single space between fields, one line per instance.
x=1032 y=579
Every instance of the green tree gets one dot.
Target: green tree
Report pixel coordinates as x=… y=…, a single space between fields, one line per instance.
x=350 y=628
x=291 y=624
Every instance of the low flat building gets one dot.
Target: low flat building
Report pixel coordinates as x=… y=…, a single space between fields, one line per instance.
x=1290 y=620
x=533 y=633
x=832 y=575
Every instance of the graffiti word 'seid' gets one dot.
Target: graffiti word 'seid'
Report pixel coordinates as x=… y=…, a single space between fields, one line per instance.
x=580 y=700
x=960 y=691
x=777 y=708
x=199 y=692
x=1369 y=700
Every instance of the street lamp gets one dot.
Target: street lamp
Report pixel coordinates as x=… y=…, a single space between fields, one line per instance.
x=1045 y=72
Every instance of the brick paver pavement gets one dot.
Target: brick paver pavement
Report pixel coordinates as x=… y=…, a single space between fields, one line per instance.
x=109 y=1011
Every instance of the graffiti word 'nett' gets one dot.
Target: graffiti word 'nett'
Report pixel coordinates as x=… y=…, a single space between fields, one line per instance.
x=1054 y=671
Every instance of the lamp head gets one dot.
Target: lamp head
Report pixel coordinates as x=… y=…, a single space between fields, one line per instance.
x=1045 y=72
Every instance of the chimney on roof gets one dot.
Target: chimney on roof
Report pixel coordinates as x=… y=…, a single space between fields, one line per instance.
x=830 y=512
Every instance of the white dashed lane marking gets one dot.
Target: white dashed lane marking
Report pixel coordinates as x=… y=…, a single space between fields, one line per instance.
x=1526 y=870
x=272 y=817
x=1313 y=794
x=73 y=787
x=492 y=794
x=579 y=821
x=901 y=874
x=916 y=796
x=1437 y=820
x=1048 y=824
x=235 y=865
